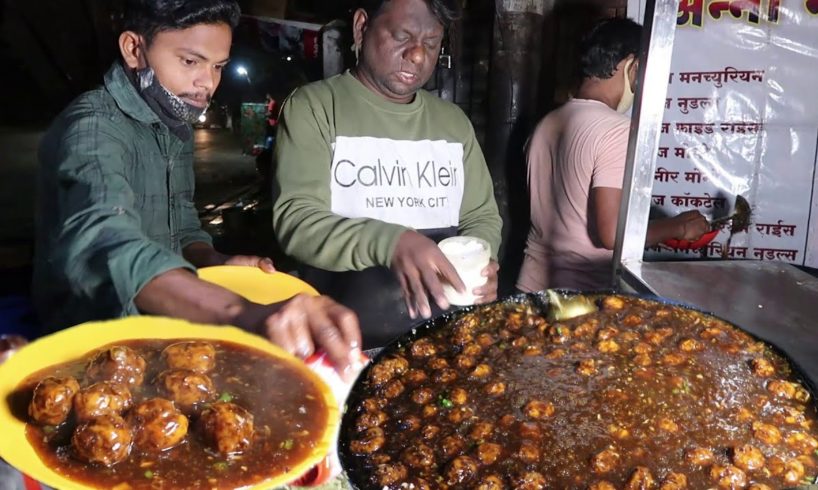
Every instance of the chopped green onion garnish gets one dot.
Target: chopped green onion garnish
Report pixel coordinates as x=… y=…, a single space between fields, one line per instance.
x=287 y=444
x=220 y=466
x=226 y=397
x=149 y=474
x=446 y=403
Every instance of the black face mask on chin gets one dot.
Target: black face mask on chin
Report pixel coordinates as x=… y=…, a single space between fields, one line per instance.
x=171 y=109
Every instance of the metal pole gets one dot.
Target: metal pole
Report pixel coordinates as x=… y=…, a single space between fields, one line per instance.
x=513 y=85
x=643 y=145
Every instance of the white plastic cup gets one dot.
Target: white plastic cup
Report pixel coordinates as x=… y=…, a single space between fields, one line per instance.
x=469 y=256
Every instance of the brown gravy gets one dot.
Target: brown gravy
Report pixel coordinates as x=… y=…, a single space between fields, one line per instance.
x=289 y=412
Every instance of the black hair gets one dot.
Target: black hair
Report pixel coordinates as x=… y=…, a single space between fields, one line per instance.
x=608 y=42
x=445 y=11
x=150 y=17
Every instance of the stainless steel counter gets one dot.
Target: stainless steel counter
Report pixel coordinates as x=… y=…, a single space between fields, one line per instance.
x=775 y=301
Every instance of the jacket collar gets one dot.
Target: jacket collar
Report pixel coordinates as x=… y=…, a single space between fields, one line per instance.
x=127 y=98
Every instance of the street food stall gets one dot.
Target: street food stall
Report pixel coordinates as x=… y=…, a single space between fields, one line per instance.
x=697 y=374
x=681 y=385
x=550 y=416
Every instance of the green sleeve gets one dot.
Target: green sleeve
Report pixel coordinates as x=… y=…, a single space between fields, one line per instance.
x=479 y=216
x=190 y=227
x=102 y=251
x=304 y=224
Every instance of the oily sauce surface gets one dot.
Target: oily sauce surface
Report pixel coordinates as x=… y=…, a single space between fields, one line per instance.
x=289 y=412
x=638 y=395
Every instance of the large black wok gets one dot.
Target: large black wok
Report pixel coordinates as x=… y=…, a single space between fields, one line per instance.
x=359 y=476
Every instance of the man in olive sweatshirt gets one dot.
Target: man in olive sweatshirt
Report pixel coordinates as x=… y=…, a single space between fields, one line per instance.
x=373 y=171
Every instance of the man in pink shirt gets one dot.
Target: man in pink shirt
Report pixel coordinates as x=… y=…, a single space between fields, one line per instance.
x=576 y=165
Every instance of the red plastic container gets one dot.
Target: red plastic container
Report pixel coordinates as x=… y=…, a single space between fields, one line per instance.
x=692 y=245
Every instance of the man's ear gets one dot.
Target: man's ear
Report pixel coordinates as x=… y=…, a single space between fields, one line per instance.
x=360 y=21
x=626 y=61
x=634 y=67
x=634 y=73
x=620 y=66
x=131 y=46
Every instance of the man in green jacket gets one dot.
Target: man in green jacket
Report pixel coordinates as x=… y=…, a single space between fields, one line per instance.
x=118 y=233
x=372 y=171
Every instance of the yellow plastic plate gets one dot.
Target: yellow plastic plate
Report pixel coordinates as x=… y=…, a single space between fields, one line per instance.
x=75 y=342
x=256 y=285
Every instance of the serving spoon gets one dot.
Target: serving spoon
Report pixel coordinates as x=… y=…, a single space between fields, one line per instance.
x=739 y=220
x=562 y=306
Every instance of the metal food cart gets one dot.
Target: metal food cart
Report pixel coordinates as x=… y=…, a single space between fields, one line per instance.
x=773 y=300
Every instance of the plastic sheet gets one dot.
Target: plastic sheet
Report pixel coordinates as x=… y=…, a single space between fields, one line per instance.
x=741 y=118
